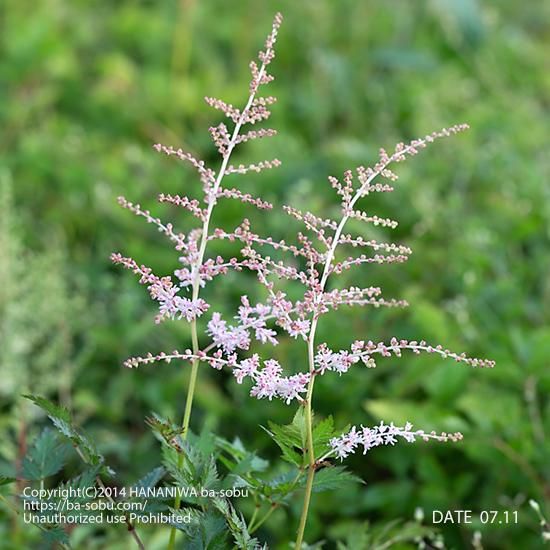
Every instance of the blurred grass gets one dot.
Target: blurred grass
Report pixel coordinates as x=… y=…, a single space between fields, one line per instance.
x=87 y=87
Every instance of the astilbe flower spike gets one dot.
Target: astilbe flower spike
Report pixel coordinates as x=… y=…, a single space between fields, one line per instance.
x=321 y=253
x=299 y=318
x=196 y=268
x=383 y=434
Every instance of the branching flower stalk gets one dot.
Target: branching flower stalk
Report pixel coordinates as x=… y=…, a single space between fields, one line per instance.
x=300 y=318
x=196 y=284
x=243 y=117
x=348 y=210
x=198 y=271
x=256 y=81
x=315 y=264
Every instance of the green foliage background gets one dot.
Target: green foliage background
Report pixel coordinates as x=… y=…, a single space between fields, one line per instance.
x=87 y=87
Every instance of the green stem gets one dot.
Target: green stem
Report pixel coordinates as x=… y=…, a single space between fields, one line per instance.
x=311 y=356
x=260 y=522
x=254 y=515
x=196 y=282
x=192 y=382
x=186 y=419
x=310 y=447
x=309 y=397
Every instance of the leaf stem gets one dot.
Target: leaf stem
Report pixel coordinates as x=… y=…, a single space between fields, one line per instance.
x=255 y=514
x=261 y=521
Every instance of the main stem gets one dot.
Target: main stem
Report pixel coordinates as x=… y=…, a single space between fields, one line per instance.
x=187 y=417
x=310 y=447
x=196 y=286
x=311 y=363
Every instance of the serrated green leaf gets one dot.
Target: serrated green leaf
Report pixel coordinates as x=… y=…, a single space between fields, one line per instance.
x=333 y=477
x=151 y=479
x=52 y=536
x=60 y=416
x=61 y=419
x=214 y=530
x=282 y=485
x=195 y=471
x=209 y=473
x=76 y=487
x=299 y=423
x=290 y=439
x=191 y=520
x=205 y=531
x=288 y=453
x=242 y=469
x=240 y=460
x=46 y=456
x=236 y=524
x=56 y=411
x=323 y=432
x=287 y=435
x=205 y=443
x=78 y=484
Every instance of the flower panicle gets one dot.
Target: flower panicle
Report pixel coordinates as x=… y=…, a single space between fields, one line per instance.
x=268 y=382
x=207 y=175
x=191 y=205
x=322 y=262
x=167 y=229
x=383 y=434
x=162 y=289
x=341 y=361
x=234 y=193
x=257 y=108
x=263 y=165
x=266 y=56
x=361 y=184
x=321 y=251
x=196 y=268
x=355 y=296
x=209 y=269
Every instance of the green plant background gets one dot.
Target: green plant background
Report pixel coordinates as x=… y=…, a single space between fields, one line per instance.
x=87 y=87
